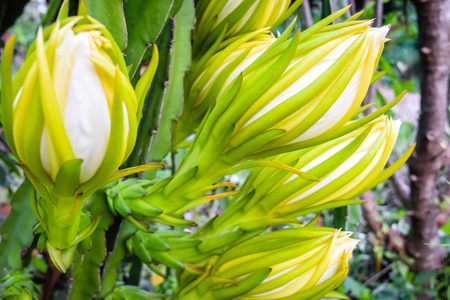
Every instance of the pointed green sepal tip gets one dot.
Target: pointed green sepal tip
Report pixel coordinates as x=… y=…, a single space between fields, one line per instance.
x=144 y=82
x=68 y=177
x=86 y=232
x=242 y=287
x=6 y=105
x=42 y=242
x=64 y=11
x=82 y=9
x=336 y=295
x=62 y=259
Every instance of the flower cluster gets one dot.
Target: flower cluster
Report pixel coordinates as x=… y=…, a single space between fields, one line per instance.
x=284 y=105
x=299 y=262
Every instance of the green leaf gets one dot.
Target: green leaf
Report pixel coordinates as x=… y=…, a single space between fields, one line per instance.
x=354 y=215
x=153 y=101
x=86 y=268
x=16 y=231
x=181 y=59
x=110 y=274
x=51 y=11
x=110 y=14
x=145 y=20
x=326 y=8
x=340 y=214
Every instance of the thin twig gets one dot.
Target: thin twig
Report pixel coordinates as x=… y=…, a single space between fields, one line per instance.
x=402 y=189
x=378 y=13
x=392 y=239
x=379 y=274
x=305 y=9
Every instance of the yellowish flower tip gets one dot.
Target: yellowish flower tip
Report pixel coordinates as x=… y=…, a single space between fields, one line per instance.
x=274 y=13
x=346 y=167
x=323 y=75
x=246 y=52
x=297 y=261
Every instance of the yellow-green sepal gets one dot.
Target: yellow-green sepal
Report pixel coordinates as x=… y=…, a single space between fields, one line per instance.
x=39 y=211
x=178 y=180
x=354 y=17
x=216 y=110
x=322 y=23
x=336 y=295
x=117 y=175
x=199 y=61
x=144 y=82
x=264 y=223
x=347 y=128
x=378 y=75
x=68 y=177
x=42 y=242
x=63 y=11
x=362 y=109
x=167 y=259
x=172 y=221
x=140 y=207
x=50 y=107
x=274 y=164
x=287 y=13
x=218 y=242
x=317 y=208
x=242 y=287
x=86 y=232
x=82 y=9
x=386 y=173
x=248 y=147
x=40 y=187
x=62 y=259
x=7 y=92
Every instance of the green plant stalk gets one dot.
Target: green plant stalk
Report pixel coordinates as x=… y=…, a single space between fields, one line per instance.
x=63 y=220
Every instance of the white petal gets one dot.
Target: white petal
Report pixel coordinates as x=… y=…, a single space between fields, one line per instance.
x=312 y=74
x=347 y=98
x=44 y=152
x=322 y=157
x=245 y=18
x=87 y=115
x=16 y=100
x=227 y=9
x=336 y=111
x=285 y=271
x=126 y=123
x=347 y=165
x=62 y=67
x=328 y=273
